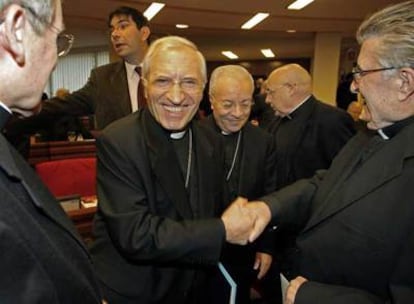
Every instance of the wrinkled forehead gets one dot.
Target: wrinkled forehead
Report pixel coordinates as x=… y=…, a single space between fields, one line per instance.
x=176 y=59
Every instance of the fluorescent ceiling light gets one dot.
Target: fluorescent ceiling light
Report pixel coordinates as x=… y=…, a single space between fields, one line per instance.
x=299 y=4
x=153 y=9
x=291 y=31
x=259 y=17
x=181 y=26
x=267 y=53
x=230 y=54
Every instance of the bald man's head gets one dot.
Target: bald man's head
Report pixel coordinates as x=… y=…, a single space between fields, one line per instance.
x=294 y=74
x=287 y=87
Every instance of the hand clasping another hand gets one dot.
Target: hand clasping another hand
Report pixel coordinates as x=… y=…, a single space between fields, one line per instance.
x=245 y=221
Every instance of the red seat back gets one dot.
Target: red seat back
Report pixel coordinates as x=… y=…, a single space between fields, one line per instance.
x=69 y=176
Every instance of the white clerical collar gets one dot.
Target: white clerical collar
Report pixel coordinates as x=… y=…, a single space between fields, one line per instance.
x=298 y=105
x=178 y=135
x=5 y=107
x=382 y=134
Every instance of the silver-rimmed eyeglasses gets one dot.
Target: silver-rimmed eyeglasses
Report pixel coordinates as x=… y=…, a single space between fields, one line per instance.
x=244 y=105
x=358 y=73
x=271 y=92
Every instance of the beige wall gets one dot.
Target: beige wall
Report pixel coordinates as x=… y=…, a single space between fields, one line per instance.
x=325 y=66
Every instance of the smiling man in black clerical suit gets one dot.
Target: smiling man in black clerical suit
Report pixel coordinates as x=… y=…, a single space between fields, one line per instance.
x=160 y=175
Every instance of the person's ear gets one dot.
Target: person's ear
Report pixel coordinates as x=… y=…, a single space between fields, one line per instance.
x=406 y=88
x=211 y=99
x=145 y=33
x=145 y=84
x=291 y=87
x=12 y=32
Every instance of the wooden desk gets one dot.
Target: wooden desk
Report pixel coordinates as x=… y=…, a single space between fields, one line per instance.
x=83 y=220
x=53 y=150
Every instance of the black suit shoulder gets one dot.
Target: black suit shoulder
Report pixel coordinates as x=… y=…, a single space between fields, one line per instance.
x=207 y=126
x=109 y=68
x=332 y=113
x=257 y=132
x=334 y=124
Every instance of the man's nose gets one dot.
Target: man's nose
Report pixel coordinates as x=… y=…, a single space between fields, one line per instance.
x=354 y=87
x=114 y=34
x=175 y=93
x=237 y=110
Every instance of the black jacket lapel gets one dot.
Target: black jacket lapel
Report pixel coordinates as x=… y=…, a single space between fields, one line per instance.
x=17 y=169
x=119 y=87
x=205 y=172
x=165 y=165
x=372 y=174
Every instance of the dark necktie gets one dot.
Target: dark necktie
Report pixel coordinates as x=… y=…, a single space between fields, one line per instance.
x=142 y=101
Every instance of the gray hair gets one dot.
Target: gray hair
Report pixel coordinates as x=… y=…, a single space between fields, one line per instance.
x=394 y=27
x=236 y=71
x=41 y=13
x=166 y=43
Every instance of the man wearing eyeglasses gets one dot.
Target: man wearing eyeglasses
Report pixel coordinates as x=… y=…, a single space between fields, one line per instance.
x=42 y=258
x=160 y=177
x=308 y=135
x=250 y=161
x=357 y=239
x=112 y=90
x=308 y=132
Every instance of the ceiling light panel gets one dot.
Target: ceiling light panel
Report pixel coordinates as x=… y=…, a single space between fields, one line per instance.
x=153 y=9
x=268 y=53
x=259 y=17
x=230 y=54
x=299 y=4
x=181 y=26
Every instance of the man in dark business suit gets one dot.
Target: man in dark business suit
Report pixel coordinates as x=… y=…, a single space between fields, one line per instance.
x=111 y=91
x=160 y=177
x=249 y=167
x=357 y=241
x=308 y=133
x=42 y=258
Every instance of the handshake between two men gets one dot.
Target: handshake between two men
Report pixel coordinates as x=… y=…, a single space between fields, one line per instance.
x=244 y=221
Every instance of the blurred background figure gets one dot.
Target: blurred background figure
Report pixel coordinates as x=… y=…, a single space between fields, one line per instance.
x=62 y=93
x=344 y=95
x=355 y=109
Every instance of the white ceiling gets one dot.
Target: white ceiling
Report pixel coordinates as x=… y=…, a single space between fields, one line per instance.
x=215 y=24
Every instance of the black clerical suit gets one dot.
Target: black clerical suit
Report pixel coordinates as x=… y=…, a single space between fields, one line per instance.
x=155 y=238
x=42 y=258
x=250 y=173
x=308 y=139
x=357 y=244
